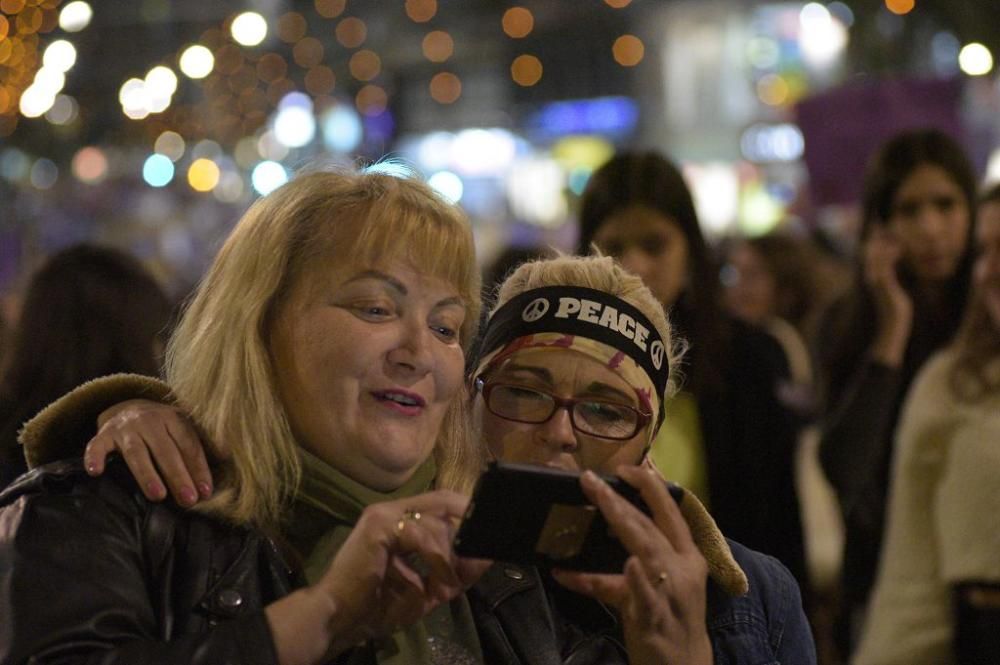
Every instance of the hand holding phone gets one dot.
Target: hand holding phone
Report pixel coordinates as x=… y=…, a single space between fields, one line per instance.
x=539 y=516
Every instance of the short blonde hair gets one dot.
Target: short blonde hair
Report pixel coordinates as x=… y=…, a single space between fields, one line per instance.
x=218 y=362
x=602 y=274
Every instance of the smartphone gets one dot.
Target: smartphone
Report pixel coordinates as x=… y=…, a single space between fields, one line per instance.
x=538 y=516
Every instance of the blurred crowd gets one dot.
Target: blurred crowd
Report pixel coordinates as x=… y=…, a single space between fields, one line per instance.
x=838 y=412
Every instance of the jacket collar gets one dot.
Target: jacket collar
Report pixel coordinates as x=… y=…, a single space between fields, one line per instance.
x=71 y=419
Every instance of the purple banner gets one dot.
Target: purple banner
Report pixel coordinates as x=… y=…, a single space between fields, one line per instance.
x=843 y=127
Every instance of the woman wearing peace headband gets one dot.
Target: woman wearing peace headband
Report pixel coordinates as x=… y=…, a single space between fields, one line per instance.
x=576 y=361
x=573 y=377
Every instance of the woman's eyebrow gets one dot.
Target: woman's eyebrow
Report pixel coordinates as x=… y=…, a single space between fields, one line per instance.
x=604 y=390
x=391 y=281
x=539 y=372
x=449 y=301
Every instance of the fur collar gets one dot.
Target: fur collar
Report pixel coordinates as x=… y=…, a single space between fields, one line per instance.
x=60 y=430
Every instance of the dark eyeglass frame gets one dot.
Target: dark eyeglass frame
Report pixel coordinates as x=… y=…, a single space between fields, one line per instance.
x=486 y=388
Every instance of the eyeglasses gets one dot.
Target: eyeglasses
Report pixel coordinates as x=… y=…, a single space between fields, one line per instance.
x=604 y=420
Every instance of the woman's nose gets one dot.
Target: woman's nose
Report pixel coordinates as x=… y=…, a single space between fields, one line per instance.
x=413 y=349
x=558 y=432
x=636 y=261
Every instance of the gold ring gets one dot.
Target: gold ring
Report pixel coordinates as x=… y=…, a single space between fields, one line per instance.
x=408 y=516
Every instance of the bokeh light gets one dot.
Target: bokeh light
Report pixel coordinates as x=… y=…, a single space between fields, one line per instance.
x=628 y=50
x=900 y=7
x=371 y=100
x=271 y=67
x=207 y=149
x=75 y=16
x=822 y=37
x=351 y=32
x=292 y=27
x=421 y=11
x=89 y=165
x=330 y=8
x=320 y=80
x=308 y=52
x=772 y=90
x=445 y=88
x=365 y=65
x=135 y=99
x=526 y=70
x=44 y=173
x=249 y=29
x=617 y=4
x=60 y=55
x=35 y=101
x=295 y=126
x=230 y=188
x=342 y=129
x=197 y=62
x=448 y=185
x=170 y=144
x=518 y=22
x=158 y=170
x=270 y=148
x=975 y=59
x=438 y=46
x=267 y=176
x=64 y=110
x=203 y=175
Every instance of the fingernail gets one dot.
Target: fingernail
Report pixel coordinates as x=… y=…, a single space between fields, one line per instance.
x=188 y=497
x=205 y=490
x=91 y=468
x=156 y=490
x=590 y=478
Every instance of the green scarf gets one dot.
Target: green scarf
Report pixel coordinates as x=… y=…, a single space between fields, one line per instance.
x=325 y=510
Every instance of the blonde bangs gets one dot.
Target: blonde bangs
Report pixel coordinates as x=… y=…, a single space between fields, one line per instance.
x=438 y=241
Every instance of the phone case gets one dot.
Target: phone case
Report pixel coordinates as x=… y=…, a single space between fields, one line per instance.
x=538 y=516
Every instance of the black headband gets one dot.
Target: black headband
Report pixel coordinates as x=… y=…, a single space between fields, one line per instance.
x=589 y=313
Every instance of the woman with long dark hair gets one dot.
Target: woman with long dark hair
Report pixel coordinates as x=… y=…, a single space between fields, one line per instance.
x=726 y=434
x=88 y=312
x=909 y=293
x=936 y=596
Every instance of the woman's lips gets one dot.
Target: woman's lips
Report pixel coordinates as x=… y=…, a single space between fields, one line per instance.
x=400 y=401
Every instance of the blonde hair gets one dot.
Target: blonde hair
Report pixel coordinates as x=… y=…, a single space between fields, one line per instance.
x=218 y=362
x=603 y=274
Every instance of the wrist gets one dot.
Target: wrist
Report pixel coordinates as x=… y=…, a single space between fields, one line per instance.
x=889 y=347
x=304 y=627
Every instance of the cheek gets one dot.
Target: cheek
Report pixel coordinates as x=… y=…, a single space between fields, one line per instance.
x=450 y=375
x=505 y=440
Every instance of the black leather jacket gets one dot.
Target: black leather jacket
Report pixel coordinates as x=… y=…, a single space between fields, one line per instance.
x=91 y=572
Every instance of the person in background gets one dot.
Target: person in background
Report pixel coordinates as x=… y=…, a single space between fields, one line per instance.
x=727 y=434
x=566 y=392
x=769 y=283
x=909 y=292
x=772 y=281
x=936 y=599
x=88 y=312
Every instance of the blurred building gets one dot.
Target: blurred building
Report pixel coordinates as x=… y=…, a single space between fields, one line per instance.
x=152 y=124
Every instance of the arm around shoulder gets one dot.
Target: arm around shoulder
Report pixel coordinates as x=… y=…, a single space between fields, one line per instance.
x=76 y=577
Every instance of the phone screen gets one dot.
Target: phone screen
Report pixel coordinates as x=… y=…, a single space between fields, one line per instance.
x=539 y=516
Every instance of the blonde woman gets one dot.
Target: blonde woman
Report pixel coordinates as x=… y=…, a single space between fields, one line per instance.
x=323 y=353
